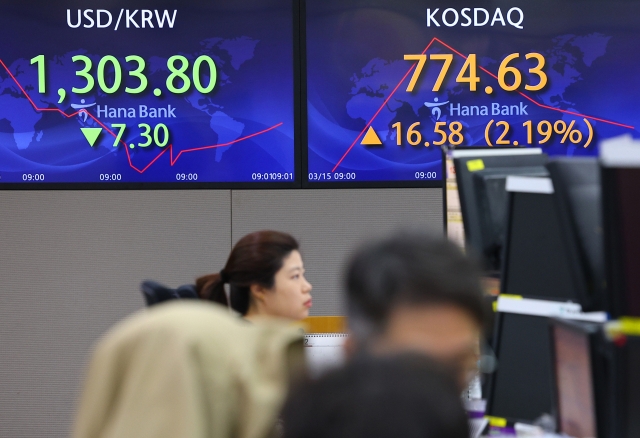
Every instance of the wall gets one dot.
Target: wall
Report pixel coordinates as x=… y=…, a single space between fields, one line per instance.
x=71 y=263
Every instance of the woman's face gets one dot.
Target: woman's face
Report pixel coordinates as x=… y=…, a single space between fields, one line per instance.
x=290 y=296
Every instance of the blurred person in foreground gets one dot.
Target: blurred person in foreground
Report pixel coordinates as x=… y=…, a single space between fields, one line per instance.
x=416 y=292
x=188 y=369
x=406 y=396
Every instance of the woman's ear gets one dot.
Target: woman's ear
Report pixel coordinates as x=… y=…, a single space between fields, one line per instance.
x=257 y=293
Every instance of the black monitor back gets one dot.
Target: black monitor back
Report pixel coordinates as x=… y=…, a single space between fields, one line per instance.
x=481 y=180
x=621 y=220
x=521 y=387
x=625 y=384
x=536 y=260
x=577 y=196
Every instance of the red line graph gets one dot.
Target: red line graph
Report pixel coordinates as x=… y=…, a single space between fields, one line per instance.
x=541 y=105
x=172 y=160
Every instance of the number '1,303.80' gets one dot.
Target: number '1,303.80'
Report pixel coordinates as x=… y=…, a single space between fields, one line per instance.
x=109 y=74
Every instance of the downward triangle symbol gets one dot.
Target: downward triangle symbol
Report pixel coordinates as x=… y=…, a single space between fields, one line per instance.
x=371 y=138
x=91 y=134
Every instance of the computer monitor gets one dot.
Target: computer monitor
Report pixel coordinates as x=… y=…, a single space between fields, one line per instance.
x=621 y=215
x=481 y=176
x=577 y=196
x=580 y=382
x=521 y=387
x=385 y=80
x=536 y=262
x=149 y=94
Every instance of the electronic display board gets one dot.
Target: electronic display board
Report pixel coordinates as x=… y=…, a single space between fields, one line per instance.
x=388 y=82
x=150 y=94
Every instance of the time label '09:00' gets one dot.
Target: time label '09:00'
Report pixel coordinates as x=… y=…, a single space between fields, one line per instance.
x=33 y=177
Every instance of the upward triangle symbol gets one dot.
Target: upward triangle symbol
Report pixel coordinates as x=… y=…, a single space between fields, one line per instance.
x=371 y=138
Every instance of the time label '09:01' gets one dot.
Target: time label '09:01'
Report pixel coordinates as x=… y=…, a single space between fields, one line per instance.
x=272 y=176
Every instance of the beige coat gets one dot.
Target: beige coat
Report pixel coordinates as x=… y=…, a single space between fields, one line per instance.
x=188 y=369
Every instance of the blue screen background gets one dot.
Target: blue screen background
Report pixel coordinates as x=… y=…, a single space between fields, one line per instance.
x=251 y=108
x=355 y=53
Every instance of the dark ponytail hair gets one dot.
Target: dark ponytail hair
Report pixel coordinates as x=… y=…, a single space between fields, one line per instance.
x=255 y=259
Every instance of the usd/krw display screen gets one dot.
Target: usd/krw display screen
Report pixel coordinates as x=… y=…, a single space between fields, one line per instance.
x=389 y=82
x=112 y=92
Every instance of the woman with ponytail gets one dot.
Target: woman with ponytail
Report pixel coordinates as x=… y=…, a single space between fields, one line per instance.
x=265 y=274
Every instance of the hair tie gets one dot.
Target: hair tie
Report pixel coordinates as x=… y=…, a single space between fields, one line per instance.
x=224 y=277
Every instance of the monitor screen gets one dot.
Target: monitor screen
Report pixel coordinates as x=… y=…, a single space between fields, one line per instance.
x=574 y=382
x=390 y=81
x=520 y=388
x=146 y=93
